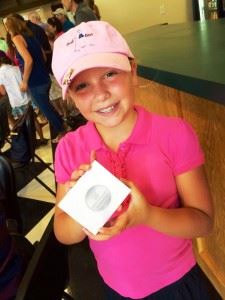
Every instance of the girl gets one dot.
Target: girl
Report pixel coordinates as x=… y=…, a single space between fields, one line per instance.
x=10 y=78
x=146 y=252
x=34 y=73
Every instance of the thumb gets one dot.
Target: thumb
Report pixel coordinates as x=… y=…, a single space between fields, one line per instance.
x=92 y=155
x=129 y=183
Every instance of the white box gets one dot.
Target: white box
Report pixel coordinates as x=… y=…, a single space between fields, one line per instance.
x=94 y=198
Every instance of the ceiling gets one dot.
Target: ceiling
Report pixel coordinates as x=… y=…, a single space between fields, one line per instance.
x=10 y=6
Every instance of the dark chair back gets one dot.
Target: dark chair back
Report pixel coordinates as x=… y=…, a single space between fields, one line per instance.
x=10 y=205
x=8 y=188
x=47 y=274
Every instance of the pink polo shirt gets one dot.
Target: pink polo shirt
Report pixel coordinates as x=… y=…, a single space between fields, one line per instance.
x=140 y=260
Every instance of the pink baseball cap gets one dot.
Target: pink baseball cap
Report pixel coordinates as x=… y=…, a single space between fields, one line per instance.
x=88 y=45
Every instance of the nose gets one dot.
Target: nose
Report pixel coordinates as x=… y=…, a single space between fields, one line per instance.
x=101 y=93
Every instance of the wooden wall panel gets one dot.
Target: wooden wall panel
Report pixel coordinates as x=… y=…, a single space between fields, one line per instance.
x=158 y=98
x=208 y=119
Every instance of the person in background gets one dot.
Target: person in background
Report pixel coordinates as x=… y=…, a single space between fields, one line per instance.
x=34 y=73
x=146 y=251
x=55 y=27
x=42 y=38
x=11 y=52
x=61 y=15
x=55 y=96
x=55 y=93
x=81 y=11
x=12 y=55
x=95 y=8
x=35 y=18
x=10 y=79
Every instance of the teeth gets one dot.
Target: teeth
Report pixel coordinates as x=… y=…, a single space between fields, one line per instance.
x=107 y=110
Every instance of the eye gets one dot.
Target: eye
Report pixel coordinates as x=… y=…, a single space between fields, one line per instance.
x=111 y=74
x=80 y=86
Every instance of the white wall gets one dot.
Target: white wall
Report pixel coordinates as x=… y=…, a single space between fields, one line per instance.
x=131 y=15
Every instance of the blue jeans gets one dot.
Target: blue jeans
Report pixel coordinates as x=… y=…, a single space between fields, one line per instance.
x=40 y=96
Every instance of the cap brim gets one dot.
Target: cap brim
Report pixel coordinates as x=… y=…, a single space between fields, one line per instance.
x=95 y=60
x=58 y=13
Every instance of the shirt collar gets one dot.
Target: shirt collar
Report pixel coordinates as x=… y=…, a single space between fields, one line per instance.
x=139 y=136
x=142 y=129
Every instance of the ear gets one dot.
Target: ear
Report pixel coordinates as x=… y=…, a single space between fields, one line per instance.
x=134 y=72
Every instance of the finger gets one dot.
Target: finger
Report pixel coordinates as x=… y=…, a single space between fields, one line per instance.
x=117 y=226
x=130 y=184
x=110 y=231
x=84 y=167
x=67 y=186
x=127 y=182
x=97 y=237
x=76 y=175
x=93 y=155
x=71 y=183
x=79 y=172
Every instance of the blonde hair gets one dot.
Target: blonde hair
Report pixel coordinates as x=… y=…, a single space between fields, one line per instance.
x=16 y=25
x=34 y=17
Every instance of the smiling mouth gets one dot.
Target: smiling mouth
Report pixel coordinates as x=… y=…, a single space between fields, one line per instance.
x=107 y=110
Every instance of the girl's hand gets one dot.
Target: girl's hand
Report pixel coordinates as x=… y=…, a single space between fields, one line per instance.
x=79 y=172
x=73 y=232
x=136 y=214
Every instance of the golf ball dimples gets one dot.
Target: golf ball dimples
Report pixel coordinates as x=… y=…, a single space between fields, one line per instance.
x=98 y=197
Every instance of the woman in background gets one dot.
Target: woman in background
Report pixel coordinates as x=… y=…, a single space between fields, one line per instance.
x=34 y=73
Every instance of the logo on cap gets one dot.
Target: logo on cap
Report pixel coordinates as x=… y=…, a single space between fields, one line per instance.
x=67 y=77
x=81 y=35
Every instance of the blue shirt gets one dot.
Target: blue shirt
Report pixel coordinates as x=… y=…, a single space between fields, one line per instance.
x=39 y=74
x=67 y=25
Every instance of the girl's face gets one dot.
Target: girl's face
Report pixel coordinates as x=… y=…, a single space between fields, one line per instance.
x=105 y=96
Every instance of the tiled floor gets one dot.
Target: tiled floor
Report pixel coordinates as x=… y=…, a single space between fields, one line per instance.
x=35 y=190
